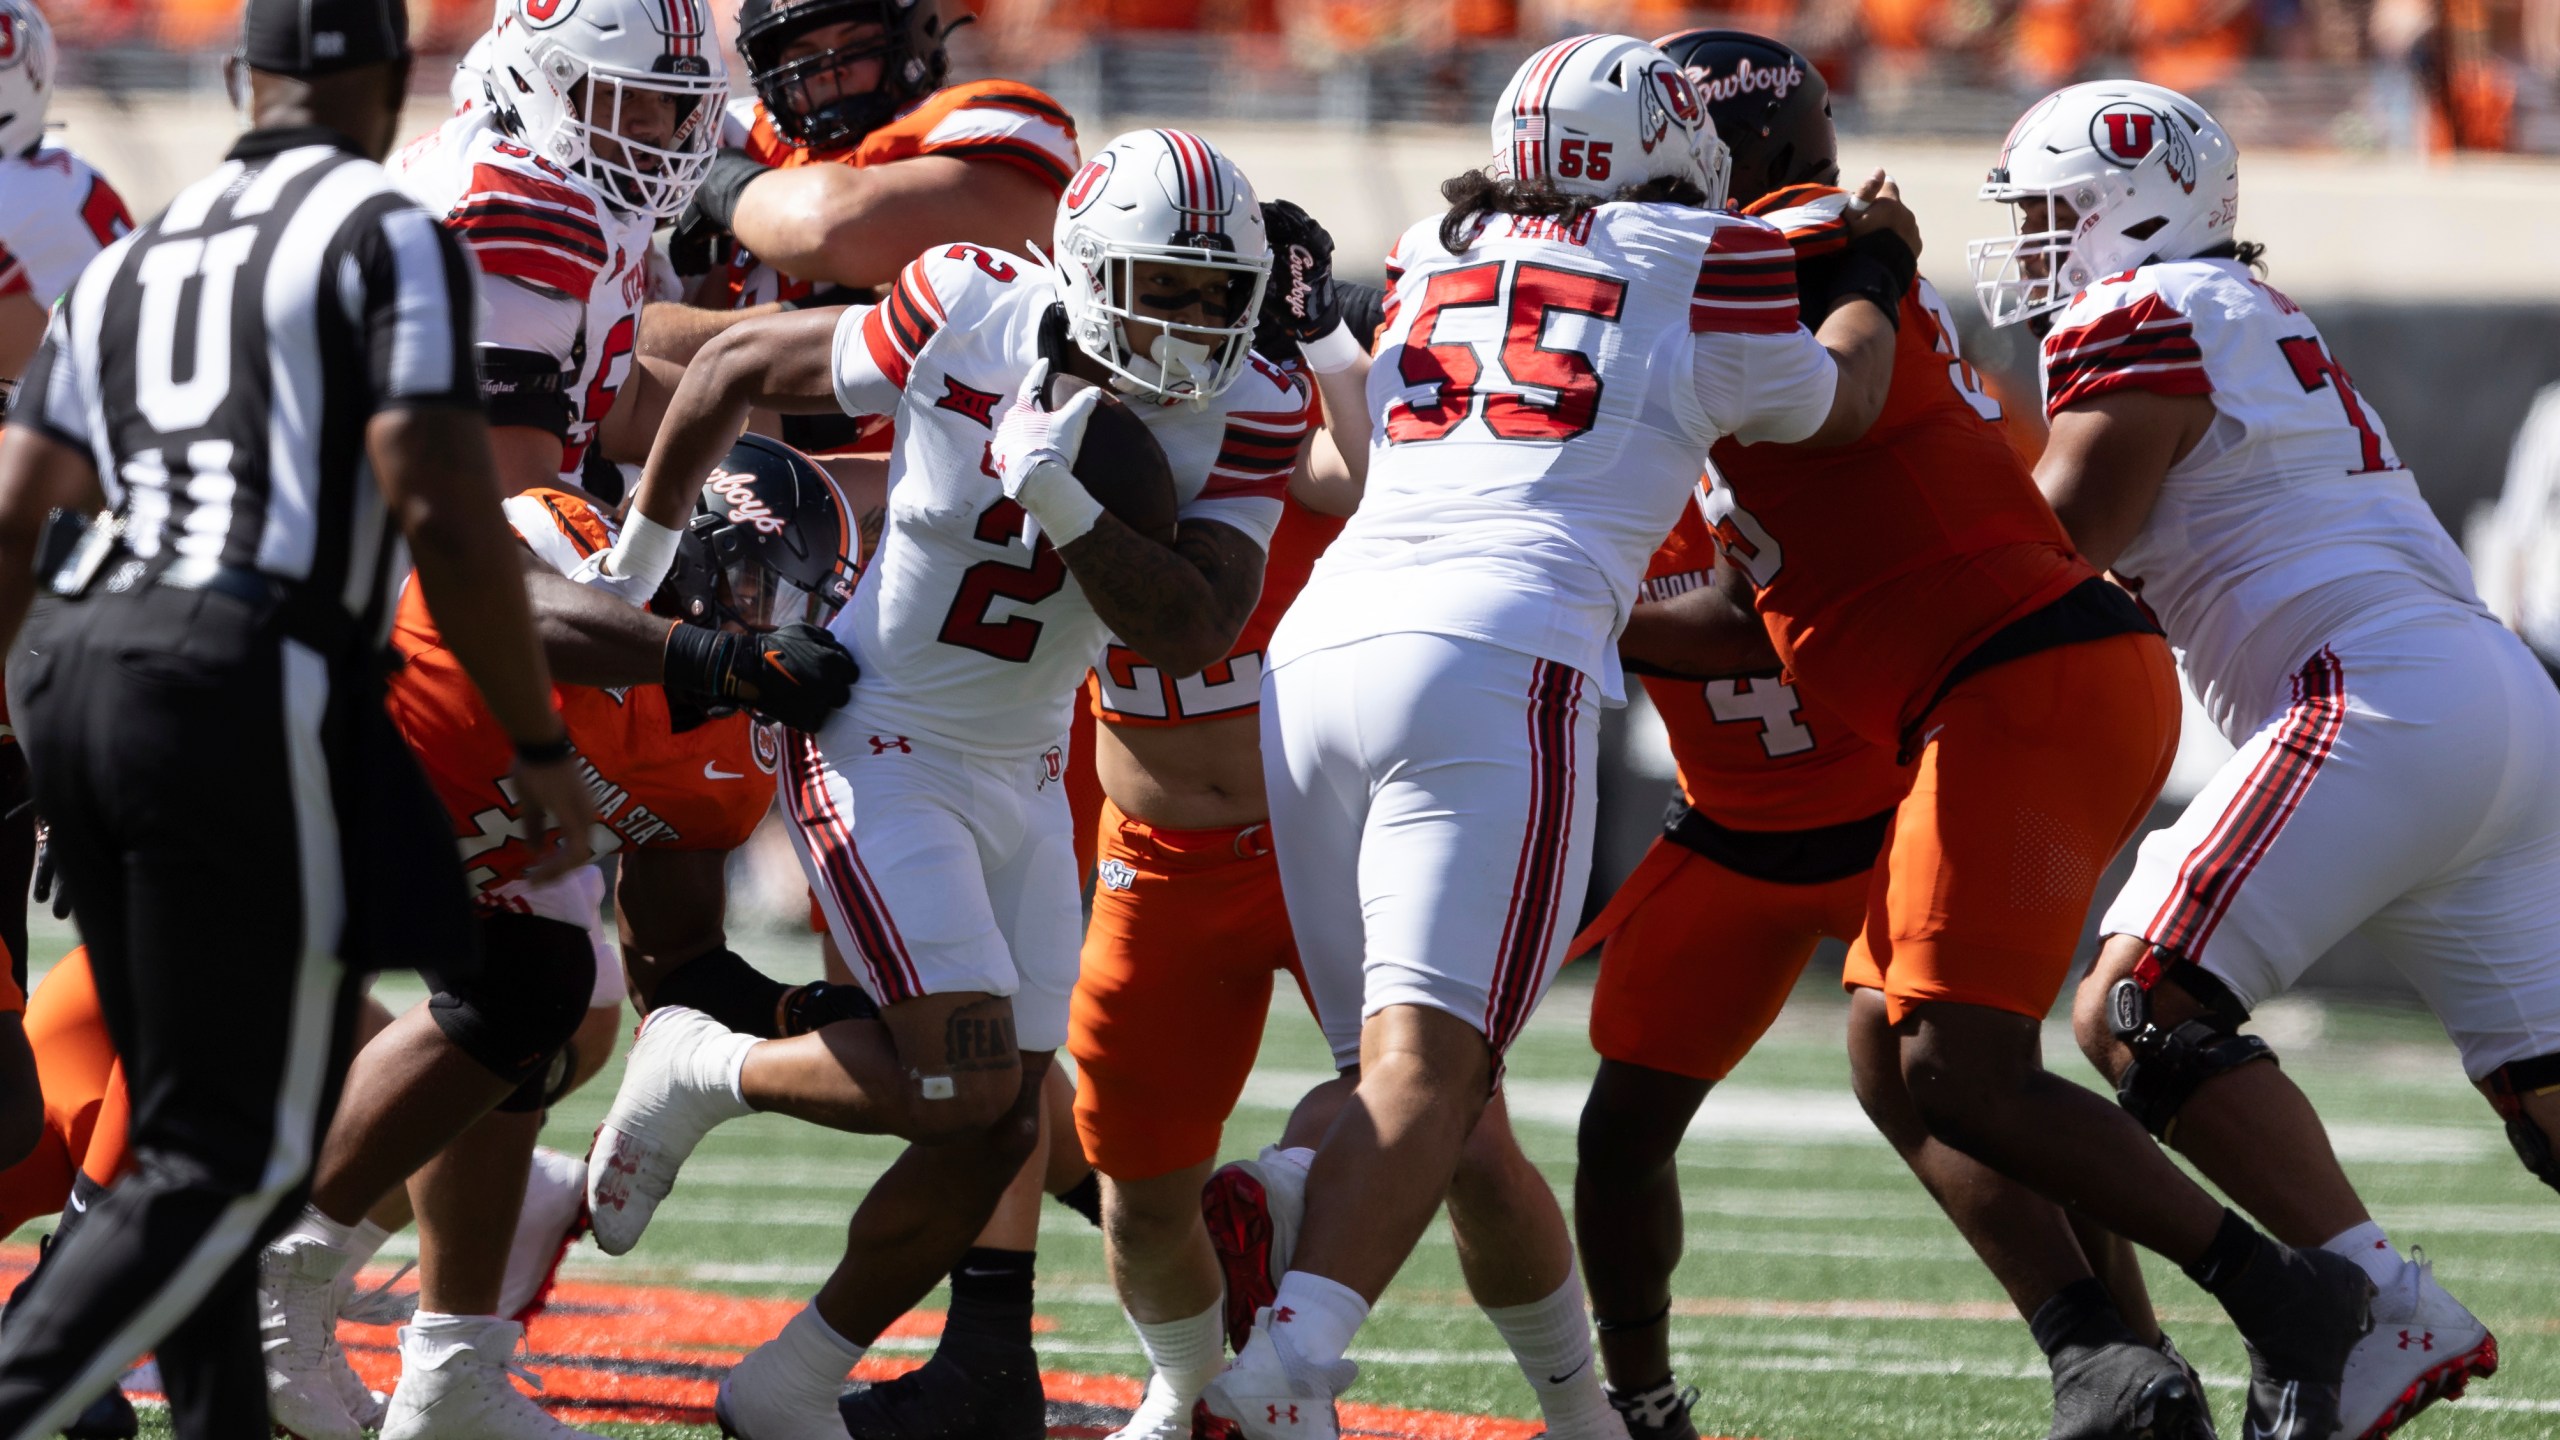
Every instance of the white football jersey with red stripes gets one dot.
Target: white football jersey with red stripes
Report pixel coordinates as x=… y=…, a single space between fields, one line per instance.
x=56 y=214
x=555 y=235
x=967 y=635
x=2292 y=517
x=1542 y=402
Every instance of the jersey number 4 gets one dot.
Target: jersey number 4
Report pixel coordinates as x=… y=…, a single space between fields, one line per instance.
x=981 y=585
x=1770 y=701
x=1553 y=392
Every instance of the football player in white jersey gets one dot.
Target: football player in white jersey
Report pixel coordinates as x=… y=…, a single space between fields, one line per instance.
x=1565 y=345
x=931 y=815
x=2398 y=770
x=594 y=124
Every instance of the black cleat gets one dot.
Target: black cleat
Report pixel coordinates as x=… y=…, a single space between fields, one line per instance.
x=2298 y=1346
x=978 y=1393
x=2127 y=1391
x=1661 y=1413
x=109 y=1417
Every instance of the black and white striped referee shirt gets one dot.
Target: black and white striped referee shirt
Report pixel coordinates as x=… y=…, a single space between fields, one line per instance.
x=220 y=364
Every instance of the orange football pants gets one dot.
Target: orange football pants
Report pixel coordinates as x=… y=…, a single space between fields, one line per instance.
x=1188 y=929
x=86 y=1112
x=1696 y=960
x=2031 y=776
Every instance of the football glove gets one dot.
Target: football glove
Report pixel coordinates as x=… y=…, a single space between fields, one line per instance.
x=1034 y=453
x=797 y=675
x=1300 y=303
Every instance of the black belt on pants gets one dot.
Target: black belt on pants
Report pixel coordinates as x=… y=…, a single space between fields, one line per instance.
x=2095 y=609
x=1783 y=857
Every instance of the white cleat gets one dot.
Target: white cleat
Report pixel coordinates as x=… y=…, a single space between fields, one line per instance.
x=553 y=1217
x=455 y=1385
x=1161 y=1415
x=767 y=1397
x=1254 y=1208
x=1272 y=1394
x=298 y=1336
x=675 y=1088
x=2424 y=1347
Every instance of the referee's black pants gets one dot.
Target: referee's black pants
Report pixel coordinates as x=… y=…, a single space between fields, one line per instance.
x=231 y=812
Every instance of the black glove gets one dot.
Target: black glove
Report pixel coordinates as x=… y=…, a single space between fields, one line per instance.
x=49 y=884
x=714 y=208
x=797 y=675
x=1300 y=303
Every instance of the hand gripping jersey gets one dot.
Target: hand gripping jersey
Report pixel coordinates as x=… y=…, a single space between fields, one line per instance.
x=565 y=272
x=1543 y=401
x=1000 y=120
x=1883 y=563
x=56 y=214
x=1126 y=690
x=703 y=787
x=2291 y=517
x=1759 y=753
x=966 y=634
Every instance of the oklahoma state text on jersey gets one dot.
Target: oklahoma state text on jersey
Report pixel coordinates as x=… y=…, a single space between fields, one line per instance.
x=702 y=787
x=1759 y=753
x=1932 y=534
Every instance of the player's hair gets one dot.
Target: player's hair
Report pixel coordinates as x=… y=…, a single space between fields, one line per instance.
x=1477 y=193
x=2251 y=253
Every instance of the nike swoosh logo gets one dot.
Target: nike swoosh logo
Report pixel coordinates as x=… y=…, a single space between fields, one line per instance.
x=1569 y=1374
x=711 y=771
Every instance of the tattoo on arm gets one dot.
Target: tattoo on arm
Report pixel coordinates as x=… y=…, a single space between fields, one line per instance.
x=1182 y=607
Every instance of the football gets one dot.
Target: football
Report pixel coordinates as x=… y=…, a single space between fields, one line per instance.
x=1121 y=463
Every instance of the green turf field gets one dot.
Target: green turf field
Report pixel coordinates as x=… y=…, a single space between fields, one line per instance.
x=1822 y=1295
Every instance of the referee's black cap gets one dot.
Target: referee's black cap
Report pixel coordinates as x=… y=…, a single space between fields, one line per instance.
x=311 y=38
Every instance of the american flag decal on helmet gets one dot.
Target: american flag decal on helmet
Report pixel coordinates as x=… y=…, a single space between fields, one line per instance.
x=1201 y=190
x=1529 y=110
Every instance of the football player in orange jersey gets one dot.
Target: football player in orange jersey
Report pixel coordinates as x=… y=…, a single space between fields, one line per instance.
x=1918 y=586
x=454 y=1090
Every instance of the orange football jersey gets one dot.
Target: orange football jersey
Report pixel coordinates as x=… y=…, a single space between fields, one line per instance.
x=1881 y=564
x=1125 y=690
x=703 y=788
x=1759 y=754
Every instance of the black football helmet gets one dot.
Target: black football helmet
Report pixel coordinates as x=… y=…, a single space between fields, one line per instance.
x=1771 y=108
x=770 y=541
x=910 y=49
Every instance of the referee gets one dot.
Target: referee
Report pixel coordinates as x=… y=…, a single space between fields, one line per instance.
x=266 y=387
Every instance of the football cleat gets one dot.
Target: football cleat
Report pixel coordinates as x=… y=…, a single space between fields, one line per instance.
x=298 y=1335
x=553 y=1217
x=2424 y=1347
x=2298 y=1360
x=965 y=1392
x=1162 y=1414
x=1271 y=1393
x=1661 y=1413
x=1254 y=1208
x=2126 y=1391
x=109 y=1417
x=455 y=1385
x=380 y=1305
x=675 y=1087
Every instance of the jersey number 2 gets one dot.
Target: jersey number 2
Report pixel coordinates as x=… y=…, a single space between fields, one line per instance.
x=983 y=584
x=1449 y=370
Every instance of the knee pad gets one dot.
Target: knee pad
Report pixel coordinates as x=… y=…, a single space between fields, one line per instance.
x=2170 y=1064
x=2508 y=1085
x=543 y=1088
x=530 y=996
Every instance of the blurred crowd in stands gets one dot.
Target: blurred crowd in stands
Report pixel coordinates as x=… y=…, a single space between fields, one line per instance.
x=2351 y=74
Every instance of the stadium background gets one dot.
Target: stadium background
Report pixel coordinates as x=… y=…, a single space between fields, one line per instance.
x=2404 y=171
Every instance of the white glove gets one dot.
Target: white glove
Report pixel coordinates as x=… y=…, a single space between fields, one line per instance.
x=1035 y=454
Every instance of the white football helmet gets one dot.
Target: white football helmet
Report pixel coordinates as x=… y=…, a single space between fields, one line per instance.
x=2144 y=173
x=560 y=73
x=26 y=75
x=1166 y=196
x=1597 y=113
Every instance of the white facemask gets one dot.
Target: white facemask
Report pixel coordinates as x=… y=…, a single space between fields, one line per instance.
x=1186 y=368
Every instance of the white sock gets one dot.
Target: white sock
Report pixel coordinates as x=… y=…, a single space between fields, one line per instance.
x=1186 y=1352
x=316 y=1226
x=363 y=1243
x=1318 y=1316
x=1551 y=1339
x=2369 y=1247
x=1304 y=1157
x=431 y=1339
x=814 y=1349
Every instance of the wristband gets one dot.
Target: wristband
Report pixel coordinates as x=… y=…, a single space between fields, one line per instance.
x=1333 y=352
x=697 y=660
x=1888 y=248
x=1058 y=500
x=645 y=552
x=723 y=181
x=544 y=752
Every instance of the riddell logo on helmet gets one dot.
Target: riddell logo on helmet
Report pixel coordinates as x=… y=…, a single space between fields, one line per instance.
x=1779 y=81
x=746 y=507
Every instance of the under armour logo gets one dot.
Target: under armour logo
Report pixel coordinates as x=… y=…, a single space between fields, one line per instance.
x=1283 y=1315
x=2424 y=1340
x=883 y=744
x=1279 y=1414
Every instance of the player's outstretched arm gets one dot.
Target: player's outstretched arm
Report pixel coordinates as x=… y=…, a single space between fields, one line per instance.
x=1708 y=633
x=780 y=362
x=1884 y=255
x=2107 y=458
x=858 y=226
